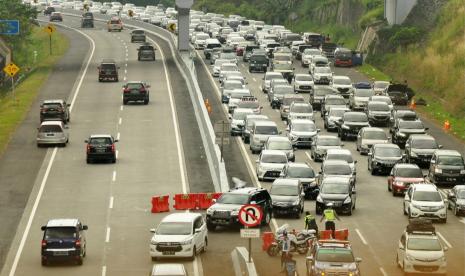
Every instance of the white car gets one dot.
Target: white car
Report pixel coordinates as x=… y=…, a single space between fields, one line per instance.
x=270 y=164
x=322 y=75
x=343 y=85
x=380 y=87
x=425 y=200
x=200 y=40
x=303 y=83
x=307 y=56
x=179 y=235
x=380 y=98
x=301 y=132
x=342 y=154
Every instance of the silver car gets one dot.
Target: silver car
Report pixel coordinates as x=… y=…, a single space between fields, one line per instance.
x=359 y=99
x=217 y=65
x=235 y=97
x=261 y=131
x=237 y=120
x=299 y=110
x=368 y=136
x=334 y=114
x=280 y=143
x=270 y=164
x=267 y=80
x=287 y=101
x=303 y=83
x=321 y=144
x=343 y=85
x=342 y=154
x=248 y=123
x=52 y=133
x=380 y=87
x=229 y=86
x=301 y=132
x=322 y=75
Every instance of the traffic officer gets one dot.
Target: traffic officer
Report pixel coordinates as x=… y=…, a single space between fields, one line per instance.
x=329 y=215
x=310 y=222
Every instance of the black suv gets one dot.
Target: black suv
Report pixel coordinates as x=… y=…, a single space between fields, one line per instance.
x=351 y=123
x=319 y=94
x=136 y=91
x=101 y=147
x=49 y=10
x=447 y=167
x=108 y=70
x=419 y=148
x=146 y=52
x=258 y=63
x=226 y=209
x=248 y=52
x=87 y=21
x=340 y=192
x=404 y=129
x=138 y=36
x=53 y=110
x=64 y=239
x=383 y=157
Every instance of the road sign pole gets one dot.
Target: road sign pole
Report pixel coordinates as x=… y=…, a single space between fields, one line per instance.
x=50 y=44
x=222 y=140
x=13 y=89
x=250 y=248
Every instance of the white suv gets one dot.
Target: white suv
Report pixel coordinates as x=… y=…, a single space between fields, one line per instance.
x=425 y=200
x=179 y=235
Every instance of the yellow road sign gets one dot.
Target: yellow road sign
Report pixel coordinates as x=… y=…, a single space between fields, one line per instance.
x=49 y=28
x=11 y=69
x=172 y=27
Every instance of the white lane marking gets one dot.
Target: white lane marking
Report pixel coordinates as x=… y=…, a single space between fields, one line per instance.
x=361 y=237
x=125 y=65
x=126 y=54
x=462 y=220
x=175 y=121
x=196 y=267
x=124 y=78
x=104 y=270
x=117 y=154
x=243 y=65
x=113 y=178
x=107 y=236
x=49 y=166
x=383 y=271
x=110 y=205
x=33 y=211
x=118 y=136
x=276 y=110
x=121 y=108
x=308 y=156
x=125 y=71
x=254 y=79
x=120 y=121
x=126 y=49
x=444 y=239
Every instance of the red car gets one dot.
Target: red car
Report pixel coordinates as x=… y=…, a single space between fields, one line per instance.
x=402 y=175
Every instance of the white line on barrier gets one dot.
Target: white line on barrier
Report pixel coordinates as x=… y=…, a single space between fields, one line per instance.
x=361 y=237
x=113 y=178
x=120 y=121
x=104 y=270
x=107 y=236
x=110 y=205
x=444 y=239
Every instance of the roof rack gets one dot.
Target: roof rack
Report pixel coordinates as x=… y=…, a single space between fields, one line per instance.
x=421 y=226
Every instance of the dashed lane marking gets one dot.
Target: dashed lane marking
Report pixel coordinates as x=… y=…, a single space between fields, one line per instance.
x=444 y=240
x=107 y=237
x=104 y=270
x=125 y=71
x=118 y=135
x=383 y=271
x=110 y=205
x=116 y=155
x=124 y=78
x=361 y=237
x=113 y=178
x=120 y=121
x=254 y=79
x=121 y=108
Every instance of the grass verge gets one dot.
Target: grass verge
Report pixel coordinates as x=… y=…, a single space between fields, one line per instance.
x=13 y=112
x=372 y=72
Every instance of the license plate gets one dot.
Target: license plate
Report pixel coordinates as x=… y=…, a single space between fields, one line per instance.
x=451 y=179
x=305 y=139
x=168 y=253
x=60 y=253
x=100 y=150
x=50 y=134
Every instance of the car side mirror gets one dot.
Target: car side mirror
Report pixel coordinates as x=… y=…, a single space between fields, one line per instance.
x=354 y=191
x=318 y=130
x=118 y=67
x=197 y=230
x=66 y=126
x=85 y=227
x=152 y=230
x=439 y=146
x=280 y=132
x=358 y=260
x=43 y=228
x=342 y=144
x=253 y=202
x=432 y=161
x=426 y=128
x=355 y=161
x=288 y=128
x=257 y=161
x=148 y=86
x=401 y=247
x=68 y=105
x=98 y=67
x=281 y=174
x=86 y=141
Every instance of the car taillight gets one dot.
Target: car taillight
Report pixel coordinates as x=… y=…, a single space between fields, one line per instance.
x=43 y=109
x=142 y=90
x=78 y=243
x=112 y=147
x=88 y=148
x=126 y=90
x=44 y=243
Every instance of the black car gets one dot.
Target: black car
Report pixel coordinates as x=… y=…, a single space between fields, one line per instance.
x=101 y=147
x=56 y=16
x=402 y=114
x=404 y=129
x=226 y=209
x=456 y=199
x=383 y=157
x=319 y=94
x=108 y=70
x=63 y=240
x=305 y=174
x=49 y=10
x=248 y=52
x=134 y=91
x=419 y=149
x=146 y=52
x=379 y=113
x=138 y=36
x=87 y=22
x=258 y=63
x=340 y=192
x=447 y=167
x=288 y=197
x=53 y=110
x=351 y=123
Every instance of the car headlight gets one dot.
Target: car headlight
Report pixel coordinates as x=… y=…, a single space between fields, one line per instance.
x=462 y=171
x=319 y=199
x=152 y=242
x=401 y=134
x=413 y=154
x=442 y=259
x=416 y=206
x=345 y=127
x=186 y=242
x=437 y=170
x=410 y=258
x=297 y=202
x=399 y=183
x=347 y=200
x=210 y=211
x=234 y=212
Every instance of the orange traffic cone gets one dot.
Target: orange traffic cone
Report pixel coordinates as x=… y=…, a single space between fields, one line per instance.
x=208 y=106
x=446 y=125
x=413 y=105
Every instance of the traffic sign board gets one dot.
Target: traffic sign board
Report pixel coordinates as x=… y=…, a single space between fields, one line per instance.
x=11 y=69
x=9 y=27
x=250 y=215
x=172 y=27
x=250 y=233
x=49 y=29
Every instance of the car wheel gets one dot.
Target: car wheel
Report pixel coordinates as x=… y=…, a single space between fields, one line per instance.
x=350 y=212
x=444 y=220
x=403 y=208
x=389 y=187
x=79 y=261
x=267 y=218
x=409 y=214
x=194 y=252
x=146 y=102
x=113 y=160
x=205 y=244
x=211 y=226
x=154 y=259
x=125 y=102
x=44 y=262
x=88 y=161
x=456 y=211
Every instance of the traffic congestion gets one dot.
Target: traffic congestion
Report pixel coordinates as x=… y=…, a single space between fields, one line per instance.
x=344 y=171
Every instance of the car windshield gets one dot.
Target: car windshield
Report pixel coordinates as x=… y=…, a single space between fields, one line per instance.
x=375 y=135
x=145 y=48
x=461 y=194
x=300 y=172
x=273 y=77
x=137 y=31
x=266 y=130
x=424 y=244
x=337 y=188
x=100 y=141
x=283 y=89
x=60 y=233
x=381 y=85
x=424 y=144
x=240 y=115
x=411 y=125
x=282 y=58
x=282 y=66
x=303 y=78
x=280 y=145
x=335 y=255
x=337 y=169
x=231 y=198
x=258 y=58
x=52 y=106
x=50 y=129
x=432 y=196
x=174 y=228
x=304 y=127
x=248 y=104
x=228 y=56
x=329 y=141
x=335 y=101
x=325 y=70
x=284 y=190
x=337 y=112
x=355 y=117
x=379 y=107
x=409 y=172
x=342 y=81
x=450 y=160
x=288 y=101
x=134 y=85
x=323 y=92
x=301 y=109
x=338 y=156
x=230 y=85
x=274 y=158
x=388 y=152
x=364 y=93
x=382 y=99
x=107 y=66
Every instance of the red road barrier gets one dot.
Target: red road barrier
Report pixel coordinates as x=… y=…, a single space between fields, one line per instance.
x=160 y=204
x=341 y=234
x=325 y=234
x=267 y=238
x=185 y=201
x=205 y=200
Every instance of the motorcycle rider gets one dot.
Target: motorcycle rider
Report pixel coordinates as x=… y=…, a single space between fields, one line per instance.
x=329 y=215
x=310 y=222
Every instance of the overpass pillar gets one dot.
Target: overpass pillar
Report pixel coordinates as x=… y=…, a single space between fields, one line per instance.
x=183 y=7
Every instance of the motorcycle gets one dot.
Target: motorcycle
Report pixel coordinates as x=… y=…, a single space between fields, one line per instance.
x=299 y=242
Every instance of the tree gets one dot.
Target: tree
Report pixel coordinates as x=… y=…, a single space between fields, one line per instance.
x=15 y=10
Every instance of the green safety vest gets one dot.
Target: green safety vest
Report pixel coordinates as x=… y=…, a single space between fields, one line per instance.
x=329 y=214
x=309 y=218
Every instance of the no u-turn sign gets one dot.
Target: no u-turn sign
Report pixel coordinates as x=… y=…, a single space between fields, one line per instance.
x=250 y=215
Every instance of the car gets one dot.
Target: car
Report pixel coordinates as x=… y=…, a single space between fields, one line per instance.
x=200 y=40
x=305 y=174
x=114 y=24
x=87 y=22
x=229 y=86
x=334 y=114
x=382 y=157
x=359 y=99
x=321 y=144
x=169 y=269
x=322 y=75
x=276 y=95
x=179 y=235
x=210 y=45
x=56 y=16
x=146 y=52
x=284 y=68
x=260 y=132
x=52 y=133
x=402 y=176
x=248 y=52
x=402 y=114
x=248 y=124
x=379 y=113
x=419 y=149
x=446 y=167
x=405 y=128
x=301 y=132
x=49 y=10
x=138 y=35
x=318 y=61
x=342 y=154
x=303 y=83
x=368 y=136
x=225 y=54
x=226 y=67
x=308 y=55
x=380 y=87
x=343 y=85
x=216 y=67
x=54 y=110
x=250 y=102
x=108 y=70
x=420 y=250
x=224 y=212
x=331 y=101
x=267 y=80
x=287 y=196
x=456 y=197
x=63 y=239
x=134 y=91
x=280 y=143
x=336 y=167
x=398 y=97
x=425 y=200
x=382 y=98
x=270 y=163
x=338 y=190
x=238 y=120
x=237 y=96
x=287 y=101
x=350 y=124
x=319 y=94
x=273 y=84
x=258 y=63
x=300 y=110
x=100 y=147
